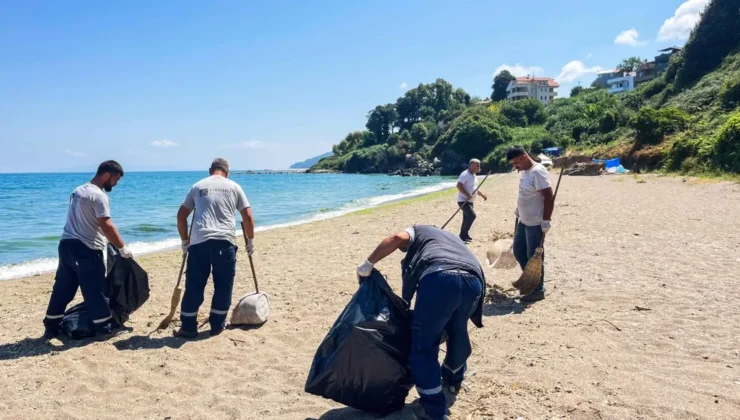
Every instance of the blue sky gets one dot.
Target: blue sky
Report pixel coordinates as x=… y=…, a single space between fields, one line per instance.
x=168 y=85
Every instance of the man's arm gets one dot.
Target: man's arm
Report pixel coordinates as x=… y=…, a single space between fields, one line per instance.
x=182 y=223
x=549 y=204
x=485 y=197
x=110 y=232
x=389 y=245
x=248 y=222
x=461 y=188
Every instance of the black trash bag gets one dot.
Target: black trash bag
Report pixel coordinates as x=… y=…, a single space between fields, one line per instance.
x=128 y=290
x=363 y=361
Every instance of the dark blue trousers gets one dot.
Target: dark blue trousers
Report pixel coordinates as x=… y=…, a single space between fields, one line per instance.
x=212 y=256
x=444 y=302
x=79 y=266
x=526 y=241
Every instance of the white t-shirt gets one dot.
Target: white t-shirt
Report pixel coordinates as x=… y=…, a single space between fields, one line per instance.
x=531 y=204
x=87 y=204
x=216 y=200
x=469 y=182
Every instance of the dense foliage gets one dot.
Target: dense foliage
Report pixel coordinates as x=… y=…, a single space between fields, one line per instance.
x=687 y=119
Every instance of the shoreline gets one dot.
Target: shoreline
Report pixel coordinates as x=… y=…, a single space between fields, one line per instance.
x=28 y=269
x=584 y=349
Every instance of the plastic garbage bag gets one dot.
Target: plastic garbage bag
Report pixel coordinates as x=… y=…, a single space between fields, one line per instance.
x=363 y=361
x=128 y=290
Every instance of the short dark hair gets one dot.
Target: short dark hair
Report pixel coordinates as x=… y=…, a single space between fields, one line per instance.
x=110 y=167
x=515 y=152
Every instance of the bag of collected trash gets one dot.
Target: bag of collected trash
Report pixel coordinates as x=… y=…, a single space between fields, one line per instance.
x=363 y=361
x=128 y=290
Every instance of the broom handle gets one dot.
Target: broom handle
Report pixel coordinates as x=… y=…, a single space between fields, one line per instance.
x=251 y=262
x=185 y=254
x=557 y=187
x=465 y=202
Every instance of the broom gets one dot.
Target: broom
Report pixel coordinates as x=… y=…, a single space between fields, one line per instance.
x=177 y=293
x=464 y=203
x=532 y=274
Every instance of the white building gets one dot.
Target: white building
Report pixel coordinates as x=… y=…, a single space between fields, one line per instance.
x=540 y=88
x=623 y=83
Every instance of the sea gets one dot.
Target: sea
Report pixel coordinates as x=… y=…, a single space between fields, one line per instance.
x=33 y=207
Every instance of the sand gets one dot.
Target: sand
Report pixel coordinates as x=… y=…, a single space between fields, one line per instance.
x=586 y=352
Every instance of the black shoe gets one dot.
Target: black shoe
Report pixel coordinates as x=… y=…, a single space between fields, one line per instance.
x=533 y=297
x=50 y=332
x=104 y=335
x=451 y=392
x=216 y=331
x=466 y=239
x=185 y=334
x=421 y=414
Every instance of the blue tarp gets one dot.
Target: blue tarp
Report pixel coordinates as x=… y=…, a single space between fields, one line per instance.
x=612 y=163
x=553 y=151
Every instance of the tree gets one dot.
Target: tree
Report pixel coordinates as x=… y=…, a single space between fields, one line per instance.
x=629 y=64
x=576 y=91
x=533 y=110
x=500 y=83
x=380 y=121
x=351 y=142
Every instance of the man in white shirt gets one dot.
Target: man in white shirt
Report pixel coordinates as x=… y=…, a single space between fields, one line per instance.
x=466 y=184
x=212 y=245
x=81 y=247
x=533 y=212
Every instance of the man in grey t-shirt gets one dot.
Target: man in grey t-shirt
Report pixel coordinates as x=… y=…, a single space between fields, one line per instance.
x=212 y=245
x=81 y=252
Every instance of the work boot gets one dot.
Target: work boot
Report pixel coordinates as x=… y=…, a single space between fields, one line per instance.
x=108 y=331
x=421 y=414
x=532 y=297
x=51 y=332
x=185 y=334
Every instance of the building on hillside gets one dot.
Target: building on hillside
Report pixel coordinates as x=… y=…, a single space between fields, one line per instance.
x=649 y=70
x=623 y=83
x=603 y=77
x=540 y=88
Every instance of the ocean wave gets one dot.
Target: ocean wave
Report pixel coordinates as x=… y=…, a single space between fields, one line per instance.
x=45 y=265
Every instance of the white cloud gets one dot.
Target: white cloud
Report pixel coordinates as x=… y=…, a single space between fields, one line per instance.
x=163 y=144
x=679 y=26
x=575 y=70
x=75 y=154
x=403 y=85
x=589 y=56
x=519 y=70
x=629 y=37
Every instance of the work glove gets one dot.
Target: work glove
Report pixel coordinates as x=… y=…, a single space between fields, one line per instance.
x=125 y=252
x=185 y=245
x=250 y=247
x=545 y=225
x=364 y=269
x=516 y=212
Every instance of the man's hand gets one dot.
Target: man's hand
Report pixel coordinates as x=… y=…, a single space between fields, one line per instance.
x=185 y=245
x=250 y=247
x=364 y=269
x=485 y=197
x=516 y=212
x=545 y=225
x=125 y=252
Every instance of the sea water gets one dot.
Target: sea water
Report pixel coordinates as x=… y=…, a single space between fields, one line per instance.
x=33 y=207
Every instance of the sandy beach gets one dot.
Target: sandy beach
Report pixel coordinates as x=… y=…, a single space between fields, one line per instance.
x=641 y=320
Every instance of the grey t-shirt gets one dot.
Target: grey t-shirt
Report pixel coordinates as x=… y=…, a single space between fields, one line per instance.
x=216 y=200
x=87 y=204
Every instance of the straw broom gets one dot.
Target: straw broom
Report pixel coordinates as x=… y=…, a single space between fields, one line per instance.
x=532 y=274
x=177 y=293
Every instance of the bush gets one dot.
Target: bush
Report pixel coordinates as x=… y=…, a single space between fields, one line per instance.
x=652 y=88
x=730 y=93
x=368 y=160
x=608 y=122
x=652 y=125
x=513 y=116
x=727 y=147
x=533 y=110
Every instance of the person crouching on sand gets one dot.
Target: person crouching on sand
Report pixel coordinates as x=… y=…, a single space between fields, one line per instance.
x=212 y=245
x=449 y=284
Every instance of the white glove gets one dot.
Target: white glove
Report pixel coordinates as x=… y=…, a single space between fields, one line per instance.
x=125 y=252
x=545 y=225
x=185 y=245
x=516 y=212
x=364 y=269
x=250 y=247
